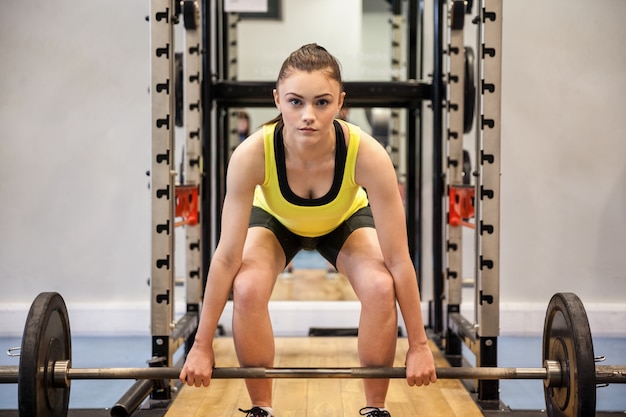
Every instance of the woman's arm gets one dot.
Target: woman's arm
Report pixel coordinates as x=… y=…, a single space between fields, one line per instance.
x=376 y=174
x=245 y=171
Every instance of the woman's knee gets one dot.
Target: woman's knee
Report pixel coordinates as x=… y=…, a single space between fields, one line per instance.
x=375 y=287
x=252 y=288
x=382 y=287
x=262 y=261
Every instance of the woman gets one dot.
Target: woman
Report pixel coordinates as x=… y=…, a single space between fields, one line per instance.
x=299 y=183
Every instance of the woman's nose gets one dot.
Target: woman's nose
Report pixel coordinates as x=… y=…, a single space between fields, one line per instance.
x=308 y=112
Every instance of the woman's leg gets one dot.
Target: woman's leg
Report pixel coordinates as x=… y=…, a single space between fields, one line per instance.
x=263 y=260
x=361 y=261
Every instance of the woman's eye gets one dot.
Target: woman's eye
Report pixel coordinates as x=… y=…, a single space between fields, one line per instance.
x=294 y=101
x=322 y=102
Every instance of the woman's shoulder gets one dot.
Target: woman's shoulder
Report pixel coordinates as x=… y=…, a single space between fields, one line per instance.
x=254 y=140
x=250 y=150
x=353 y=130
x=348 y=128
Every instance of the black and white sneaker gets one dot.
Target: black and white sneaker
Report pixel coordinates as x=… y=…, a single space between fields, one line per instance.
x=256 y=412
x=373 y=412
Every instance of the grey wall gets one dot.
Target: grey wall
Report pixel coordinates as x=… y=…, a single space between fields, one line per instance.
x=75 y=145
x=564 y=148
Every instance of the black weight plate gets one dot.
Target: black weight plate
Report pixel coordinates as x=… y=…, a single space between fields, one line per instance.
x=469 y=95
x=567 y=340
x=46 y=340
x=191 y=14
x=458 y=15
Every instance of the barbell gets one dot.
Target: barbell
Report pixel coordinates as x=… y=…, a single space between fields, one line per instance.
x=569 y=371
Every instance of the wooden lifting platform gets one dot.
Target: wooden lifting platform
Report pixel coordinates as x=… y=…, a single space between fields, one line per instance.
x=322 y=397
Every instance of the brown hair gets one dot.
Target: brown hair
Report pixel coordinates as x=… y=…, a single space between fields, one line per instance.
x=309 y=58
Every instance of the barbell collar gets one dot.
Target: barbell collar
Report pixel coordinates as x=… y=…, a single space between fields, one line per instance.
x=554 y=374
x=60 y=372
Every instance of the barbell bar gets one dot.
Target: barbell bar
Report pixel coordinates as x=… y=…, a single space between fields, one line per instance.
x=569 y=371
x=61 y=373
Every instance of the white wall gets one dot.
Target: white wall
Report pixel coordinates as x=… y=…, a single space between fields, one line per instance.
x=74 y=149
x=75 y=146
x=564 y=148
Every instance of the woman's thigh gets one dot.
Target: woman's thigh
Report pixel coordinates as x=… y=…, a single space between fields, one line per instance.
x=361 y=261
x=263 y=259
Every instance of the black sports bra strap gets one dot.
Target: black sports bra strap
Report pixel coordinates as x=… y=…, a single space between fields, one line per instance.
x=341 y=154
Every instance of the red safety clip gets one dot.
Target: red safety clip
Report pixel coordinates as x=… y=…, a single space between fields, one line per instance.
x=461 y=205
x=187 y=205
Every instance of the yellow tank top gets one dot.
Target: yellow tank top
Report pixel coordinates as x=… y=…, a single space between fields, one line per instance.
x=318 y=216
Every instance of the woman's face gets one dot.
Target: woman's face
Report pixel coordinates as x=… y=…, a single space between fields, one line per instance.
x=309 y=102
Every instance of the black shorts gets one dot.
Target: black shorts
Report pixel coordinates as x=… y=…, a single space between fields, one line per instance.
x=327 y=245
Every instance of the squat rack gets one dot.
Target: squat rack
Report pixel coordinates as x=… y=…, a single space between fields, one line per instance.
x=210 y=90
x=481 y=332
